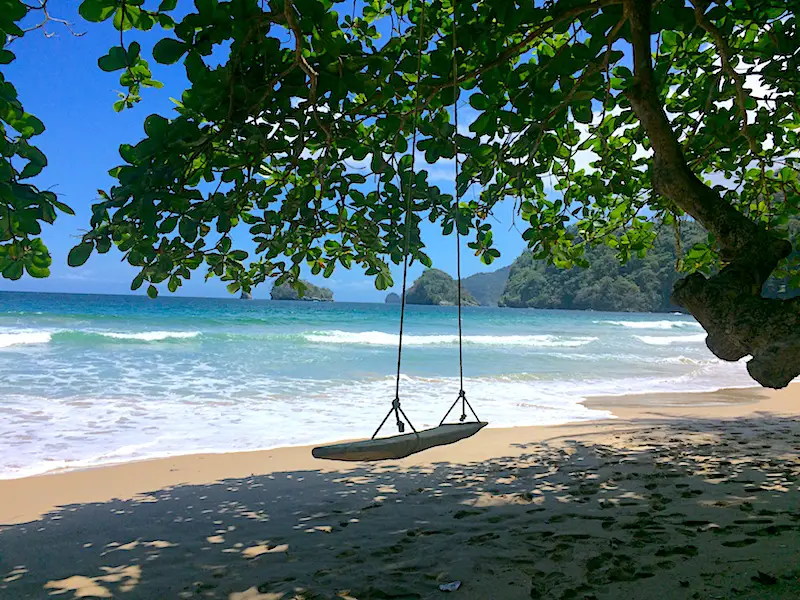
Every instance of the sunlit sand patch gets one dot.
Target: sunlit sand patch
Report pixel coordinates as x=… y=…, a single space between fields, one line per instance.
x=505 y=480
x=144 y=498
x=215 y=539
x=322 y=528
x=159 y=544
x=319 y=515
x=260 y=549
x=82 y=587
x=127 y=576
x=14 y=574
x=253 y=594
x=256 y=515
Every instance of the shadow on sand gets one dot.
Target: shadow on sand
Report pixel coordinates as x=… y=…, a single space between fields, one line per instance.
x=700 y=509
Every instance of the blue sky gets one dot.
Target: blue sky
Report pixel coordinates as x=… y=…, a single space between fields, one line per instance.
x=58 y=80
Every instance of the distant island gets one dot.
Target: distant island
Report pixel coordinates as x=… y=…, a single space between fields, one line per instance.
x=312 y=293
x=392 y=298
x=435 y=287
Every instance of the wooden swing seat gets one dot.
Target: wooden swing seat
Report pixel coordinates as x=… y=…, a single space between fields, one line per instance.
x=399 y=446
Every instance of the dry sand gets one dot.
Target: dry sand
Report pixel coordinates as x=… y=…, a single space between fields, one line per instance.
x=682 y=496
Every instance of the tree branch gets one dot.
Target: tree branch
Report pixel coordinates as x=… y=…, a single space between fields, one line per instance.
x=48 y=18
x=724 y=54
x=672 y=177
x=728 y=305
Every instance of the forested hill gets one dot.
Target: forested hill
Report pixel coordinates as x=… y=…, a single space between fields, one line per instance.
x=487 y=287
x=438 y=288
x=642 y=284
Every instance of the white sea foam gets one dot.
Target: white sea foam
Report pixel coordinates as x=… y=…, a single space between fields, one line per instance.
x=136 y=428
x=19 y=338
x=651 y=324
x=150 y=336
x=666 y=340
x=379 y=338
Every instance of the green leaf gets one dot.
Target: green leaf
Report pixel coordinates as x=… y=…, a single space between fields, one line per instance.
x=37 y=271
x=13 y=271
x=80 y=254
x=97 y=10
x=115 y=60
x=137 y=281
x=483 y=124
x=168 y=51
x=37 y=162
x=152 y=291
x=28 y=126
x=133 y=52
x=478 y=101
x=188 y=229
x=582 y=112
x=62 y=207
x=6 y=56
x=383 y=281
x=156 y=126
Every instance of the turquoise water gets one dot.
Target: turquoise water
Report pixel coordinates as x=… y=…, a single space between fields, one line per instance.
x=88 y=380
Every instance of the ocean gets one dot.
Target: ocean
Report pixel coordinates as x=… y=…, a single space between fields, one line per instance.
x=88 y=380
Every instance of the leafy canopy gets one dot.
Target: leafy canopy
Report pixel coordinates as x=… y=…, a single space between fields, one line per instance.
x=300 y=116
x=23 y=206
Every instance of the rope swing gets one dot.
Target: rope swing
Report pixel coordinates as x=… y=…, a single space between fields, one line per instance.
x=403 y=445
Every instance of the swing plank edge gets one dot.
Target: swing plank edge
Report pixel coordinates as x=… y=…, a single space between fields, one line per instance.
x=398 y=446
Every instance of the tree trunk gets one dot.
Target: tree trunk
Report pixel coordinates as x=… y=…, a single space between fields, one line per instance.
x=728 y=305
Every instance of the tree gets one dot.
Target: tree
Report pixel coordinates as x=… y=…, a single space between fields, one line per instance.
x=307 y=142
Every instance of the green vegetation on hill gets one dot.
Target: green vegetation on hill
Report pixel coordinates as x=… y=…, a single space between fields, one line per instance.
x=437 y=287
x=311 y=293
x=782 y=287
x=642 y=284
x=487 y=287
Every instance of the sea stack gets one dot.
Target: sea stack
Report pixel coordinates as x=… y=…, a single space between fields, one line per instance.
x=437 y=288
x=312 y=293
x=246 y=296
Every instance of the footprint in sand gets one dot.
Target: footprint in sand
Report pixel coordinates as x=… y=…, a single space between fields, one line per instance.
x=739 y=543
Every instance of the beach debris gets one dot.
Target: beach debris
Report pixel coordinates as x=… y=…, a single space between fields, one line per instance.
x=450 y=587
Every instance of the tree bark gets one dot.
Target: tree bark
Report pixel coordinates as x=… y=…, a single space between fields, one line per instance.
x=728 y=305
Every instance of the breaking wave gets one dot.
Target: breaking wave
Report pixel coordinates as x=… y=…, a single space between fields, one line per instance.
x=379 y=338
x=658 y=340
x=651 y=324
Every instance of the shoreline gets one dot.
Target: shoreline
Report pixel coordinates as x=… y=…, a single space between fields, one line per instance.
x=698 y=499
x=603 y=402
x=34 y=496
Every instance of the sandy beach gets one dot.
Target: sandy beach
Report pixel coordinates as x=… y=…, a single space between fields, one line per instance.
x=681 y=496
